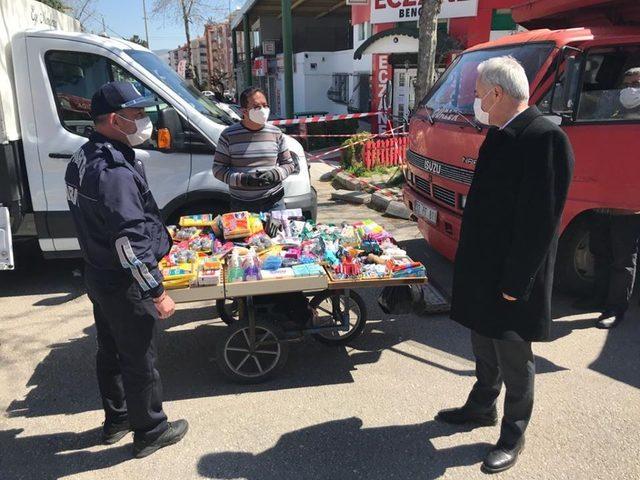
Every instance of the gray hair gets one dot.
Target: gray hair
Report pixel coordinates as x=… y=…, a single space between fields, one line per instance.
x=507 y=73
x=632 y=72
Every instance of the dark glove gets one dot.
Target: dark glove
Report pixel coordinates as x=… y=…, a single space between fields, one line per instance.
x=269 y=177
x=252 y=180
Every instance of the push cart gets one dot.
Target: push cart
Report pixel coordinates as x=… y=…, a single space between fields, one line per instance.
x=255 y=346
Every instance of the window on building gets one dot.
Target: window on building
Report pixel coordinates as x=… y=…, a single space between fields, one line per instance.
x=360 y=32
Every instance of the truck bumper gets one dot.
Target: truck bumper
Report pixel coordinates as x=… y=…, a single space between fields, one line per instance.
x=443 y=236
x=307 y=202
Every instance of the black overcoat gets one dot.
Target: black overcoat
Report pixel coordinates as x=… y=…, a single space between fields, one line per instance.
x=509 y=234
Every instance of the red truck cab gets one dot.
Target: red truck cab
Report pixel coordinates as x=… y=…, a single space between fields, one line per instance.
x=576 y=76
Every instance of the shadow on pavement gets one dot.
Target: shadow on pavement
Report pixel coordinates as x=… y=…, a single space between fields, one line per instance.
x=343 y=449
x=49 y=457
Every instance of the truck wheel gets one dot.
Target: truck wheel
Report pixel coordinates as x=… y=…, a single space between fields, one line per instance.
x=574 y=264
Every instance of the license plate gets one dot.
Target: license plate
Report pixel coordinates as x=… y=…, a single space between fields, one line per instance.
x=428 y=213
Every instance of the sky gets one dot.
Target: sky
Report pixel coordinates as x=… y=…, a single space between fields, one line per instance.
x=124 y=18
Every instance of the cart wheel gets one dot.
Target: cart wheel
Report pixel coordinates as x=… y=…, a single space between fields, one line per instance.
x=323 y=305
x=244 y=364
x=229 y=310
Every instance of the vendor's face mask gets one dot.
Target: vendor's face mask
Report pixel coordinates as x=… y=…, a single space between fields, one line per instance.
x=144 y=129
x=480 y=114
x=630 y=97
x=259 y=115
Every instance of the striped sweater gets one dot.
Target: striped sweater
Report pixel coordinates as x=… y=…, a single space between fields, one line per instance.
x=241 y=151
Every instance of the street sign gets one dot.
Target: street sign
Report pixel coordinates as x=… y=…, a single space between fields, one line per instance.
x=269 y=47
x=391 y=11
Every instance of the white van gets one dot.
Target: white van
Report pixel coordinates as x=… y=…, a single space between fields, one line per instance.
x=47 y=78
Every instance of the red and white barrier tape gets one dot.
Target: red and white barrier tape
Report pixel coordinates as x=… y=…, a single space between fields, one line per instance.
x=401 y=134
x=325 y=118
x=372 y=137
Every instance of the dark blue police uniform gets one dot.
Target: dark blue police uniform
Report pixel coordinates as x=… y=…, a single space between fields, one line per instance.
x=122 y=238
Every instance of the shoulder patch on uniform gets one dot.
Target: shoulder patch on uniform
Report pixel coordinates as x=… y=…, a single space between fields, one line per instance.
x=112 y=155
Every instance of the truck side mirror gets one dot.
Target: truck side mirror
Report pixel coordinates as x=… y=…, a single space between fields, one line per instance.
x=170 y=131
x=563 y=96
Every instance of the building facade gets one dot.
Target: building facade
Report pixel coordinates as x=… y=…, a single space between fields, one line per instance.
x=219 y=56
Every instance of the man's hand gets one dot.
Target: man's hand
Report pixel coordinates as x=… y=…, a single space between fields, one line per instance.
x=165 y=306
x=509 y=298
x=253 y=180
x=269 y=177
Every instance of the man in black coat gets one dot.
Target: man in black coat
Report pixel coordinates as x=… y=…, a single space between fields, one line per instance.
x=506 y=254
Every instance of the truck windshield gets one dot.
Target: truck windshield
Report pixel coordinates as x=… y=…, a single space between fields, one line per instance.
x=176 y=83
x=454 y=92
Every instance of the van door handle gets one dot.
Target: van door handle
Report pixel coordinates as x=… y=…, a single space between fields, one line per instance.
x=60 y=155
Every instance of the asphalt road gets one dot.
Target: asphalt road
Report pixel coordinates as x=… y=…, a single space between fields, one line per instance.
x=362 y=412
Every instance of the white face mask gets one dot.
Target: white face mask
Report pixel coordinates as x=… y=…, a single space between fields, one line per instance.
x=144 y=129
x=480 y=114
x=259 y=115
x=630 y=98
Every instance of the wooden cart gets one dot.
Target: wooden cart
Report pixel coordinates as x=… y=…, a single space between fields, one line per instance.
x=255 y=347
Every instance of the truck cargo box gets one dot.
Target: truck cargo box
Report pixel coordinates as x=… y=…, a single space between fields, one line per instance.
x=19 y=15
x=557 y=14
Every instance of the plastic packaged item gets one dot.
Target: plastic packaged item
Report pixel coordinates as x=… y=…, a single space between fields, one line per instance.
x=203 y=243
x=308 y=270
x=235 y=272
x=255 y=224
x=203 y=220
x=172 y=229
x=280 y=273
x=188 y=233
x=251 y=266
x=272 y=262
x=235 y=225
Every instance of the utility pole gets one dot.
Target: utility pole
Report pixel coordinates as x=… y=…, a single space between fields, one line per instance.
x=146 y=30
x=104 y=27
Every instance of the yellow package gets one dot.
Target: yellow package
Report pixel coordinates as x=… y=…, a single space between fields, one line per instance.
x=203 y=220
x=255 y=224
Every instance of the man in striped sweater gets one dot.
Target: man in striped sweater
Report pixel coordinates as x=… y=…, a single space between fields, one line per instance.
x=252 y=157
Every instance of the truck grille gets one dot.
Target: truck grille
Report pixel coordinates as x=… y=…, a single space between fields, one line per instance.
x=444 y=195
x=423 y=185
x=440 y=169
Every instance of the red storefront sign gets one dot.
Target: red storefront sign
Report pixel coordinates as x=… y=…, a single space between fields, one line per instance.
x=381 y=89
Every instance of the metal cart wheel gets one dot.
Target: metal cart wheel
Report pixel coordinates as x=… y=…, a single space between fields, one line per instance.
x=331 y=308
x=246 y=360
x=229 y=310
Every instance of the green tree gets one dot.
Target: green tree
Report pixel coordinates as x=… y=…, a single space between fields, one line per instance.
x=427 y=41
x=57 y=4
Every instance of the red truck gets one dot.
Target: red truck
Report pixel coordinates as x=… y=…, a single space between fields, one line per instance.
x=576 y=74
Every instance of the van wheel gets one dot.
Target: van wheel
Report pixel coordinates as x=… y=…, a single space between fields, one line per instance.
x=574 y=264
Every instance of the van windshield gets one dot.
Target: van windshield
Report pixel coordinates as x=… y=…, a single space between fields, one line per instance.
x=454 y=92
x=176 y=83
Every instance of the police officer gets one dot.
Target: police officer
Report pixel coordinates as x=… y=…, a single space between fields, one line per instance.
x=122 y=238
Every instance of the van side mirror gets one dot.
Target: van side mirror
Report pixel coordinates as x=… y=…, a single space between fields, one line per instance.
x=562 y=99
x=170 y=131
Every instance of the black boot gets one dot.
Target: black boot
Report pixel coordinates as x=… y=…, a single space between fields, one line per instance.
x=502 y=457
x=114 y=432
x=468 y=415
x=609 y=319
x=176 y=432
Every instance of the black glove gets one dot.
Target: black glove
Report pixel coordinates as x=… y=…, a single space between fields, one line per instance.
x=252 y=180
x=269 y=177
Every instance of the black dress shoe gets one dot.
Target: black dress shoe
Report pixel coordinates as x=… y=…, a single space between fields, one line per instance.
x=502 y=457
x=467 y=415
x=609 y=319
x=176 y=432
x=114 y=432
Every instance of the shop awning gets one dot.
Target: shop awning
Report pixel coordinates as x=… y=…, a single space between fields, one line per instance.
x=395 y=40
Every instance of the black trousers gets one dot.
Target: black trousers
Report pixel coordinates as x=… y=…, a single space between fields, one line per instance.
x=511 y=362
x=613 y=241
x=126 y=359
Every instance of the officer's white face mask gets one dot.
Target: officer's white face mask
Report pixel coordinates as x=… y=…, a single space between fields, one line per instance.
x=259 y=115
x=144 y=129
x=630 y=98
